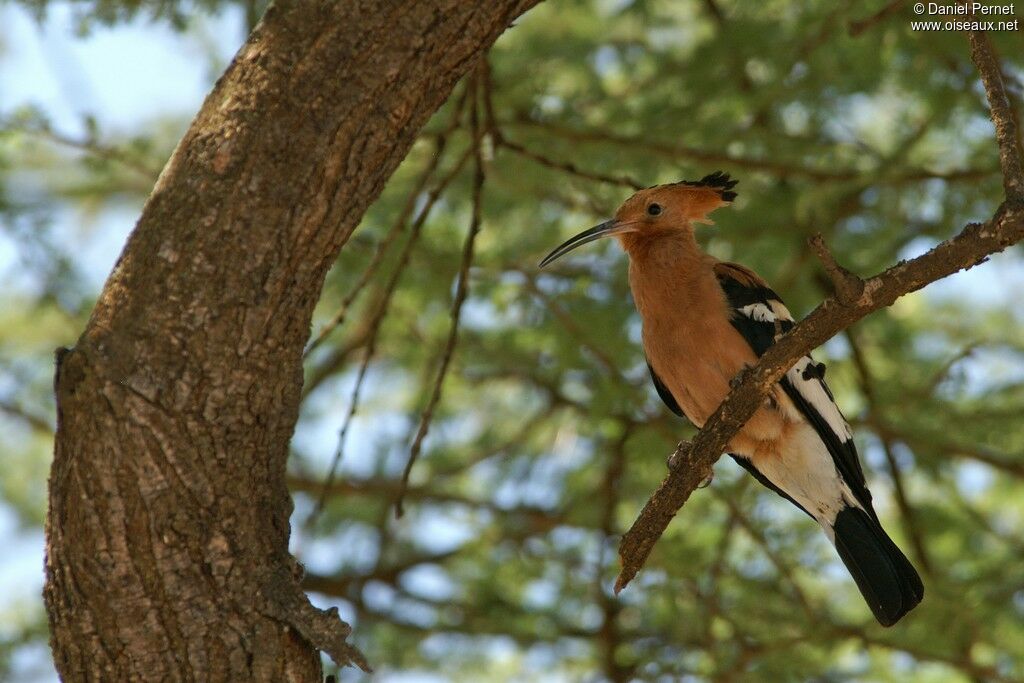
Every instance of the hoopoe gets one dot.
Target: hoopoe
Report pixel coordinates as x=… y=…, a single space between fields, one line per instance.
x=704 y=320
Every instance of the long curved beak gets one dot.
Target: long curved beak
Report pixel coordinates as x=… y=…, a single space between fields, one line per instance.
x=606 y=229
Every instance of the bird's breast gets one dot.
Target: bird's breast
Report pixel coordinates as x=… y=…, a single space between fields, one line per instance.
x=695 y=357
x=689 y=339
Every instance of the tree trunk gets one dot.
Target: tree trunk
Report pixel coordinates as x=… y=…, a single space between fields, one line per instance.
x=167 y=533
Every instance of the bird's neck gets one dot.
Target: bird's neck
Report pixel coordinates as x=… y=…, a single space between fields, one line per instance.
x=669 y=274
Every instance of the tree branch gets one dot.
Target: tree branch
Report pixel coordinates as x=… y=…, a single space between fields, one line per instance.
x=566 y=166
x=94 y=148
x=693 y=462
x=848 y=287
x=461 y=292
x=782 y=169
x=440 y=144
x=39 y=423
x=907 y=516
x=380 y=312
x=855 y=28
x=177 y=404
x=985 y=60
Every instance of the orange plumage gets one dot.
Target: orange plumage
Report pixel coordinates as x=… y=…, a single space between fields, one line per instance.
x=704 y=321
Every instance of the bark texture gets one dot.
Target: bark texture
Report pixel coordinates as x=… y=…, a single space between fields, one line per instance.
x=167 y=533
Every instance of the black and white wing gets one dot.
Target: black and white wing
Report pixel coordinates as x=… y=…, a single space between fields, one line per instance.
x=760 y=317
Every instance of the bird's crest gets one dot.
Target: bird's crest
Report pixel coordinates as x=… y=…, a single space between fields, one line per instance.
x=718 y=181
x=705 y=195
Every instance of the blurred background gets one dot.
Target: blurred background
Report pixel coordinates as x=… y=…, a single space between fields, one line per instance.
x=835 y=116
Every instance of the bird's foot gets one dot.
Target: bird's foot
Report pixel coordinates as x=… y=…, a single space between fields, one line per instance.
x=678 y=455
x=740 y=376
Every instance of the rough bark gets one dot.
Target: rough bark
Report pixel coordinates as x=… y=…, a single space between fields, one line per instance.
x=167 y=531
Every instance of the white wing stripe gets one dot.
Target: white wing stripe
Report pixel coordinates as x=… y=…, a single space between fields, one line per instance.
x=780 y=310
x=813 y=391
x=758 y=312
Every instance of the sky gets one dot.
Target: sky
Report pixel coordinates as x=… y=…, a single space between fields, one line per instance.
x=70 y=78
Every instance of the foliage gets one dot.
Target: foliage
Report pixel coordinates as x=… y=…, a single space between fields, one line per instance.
x=92 y=13
x=548 y=436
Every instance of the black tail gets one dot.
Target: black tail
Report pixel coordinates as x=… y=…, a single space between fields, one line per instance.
x=885 y=577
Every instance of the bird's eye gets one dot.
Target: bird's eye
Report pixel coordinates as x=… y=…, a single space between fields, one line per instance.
x=653 y=209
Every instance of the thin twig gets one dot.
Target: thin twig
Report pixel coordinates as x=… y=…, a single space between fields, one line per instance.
x=963 y=663
x=492 y=128
x=969 y=248
x=93 y=148
x=526 y=428
x=378 y=257
x=942 y=373
x=461 y=292
x=565 y=166
x=781 y=169
x=532 y=517
x=609 y=633
x=252 y=15
x=337 y=358
x=441 y=142
x=1013 y=466
x=907 y=515
x=985 y=60
x=380 y=312
x=848 y=287
x=487 y=93
x=715 y=11
x=37 y=422
x=568 y=323
x=858 y=27
x=784 y=569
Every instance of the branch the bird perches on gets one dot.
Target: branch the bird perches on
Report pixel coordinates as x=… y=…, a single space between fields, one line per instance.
x=854 y=298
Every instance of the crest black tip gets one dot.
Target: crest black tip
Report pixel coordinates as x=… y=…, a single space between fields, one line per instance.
x=716 y=181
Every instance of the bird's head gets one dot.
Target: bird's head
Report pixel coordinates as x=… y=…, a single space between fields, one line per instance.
x=659 y=209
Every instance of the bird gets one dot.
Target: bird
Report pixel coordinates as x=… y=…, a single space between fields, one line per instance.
x=704 y=321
